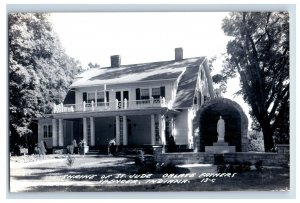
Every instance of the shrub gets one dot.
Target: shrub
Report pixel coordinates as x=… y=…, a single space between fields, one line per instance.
x=167 y=168
x=234 y=167
x=145 y=163
x=258 y=165
x=256 y=141
x=70 y=161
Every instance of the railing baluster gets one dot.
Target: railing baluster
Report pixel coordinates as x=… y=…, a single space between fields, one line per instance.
x=105 y=106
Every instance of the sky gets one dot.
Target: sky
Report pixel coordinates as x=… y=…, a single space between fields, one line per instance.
x=141 y=37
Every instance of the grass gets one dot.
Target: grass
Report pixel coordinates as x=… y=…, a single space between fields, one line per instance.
x=48 y=176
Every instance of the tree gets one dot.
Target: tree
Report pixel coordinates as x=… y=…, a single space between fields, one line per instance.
x=91 y=65
x=221 y=81
x=255 y=141
x=259 y=52
x=39 y=71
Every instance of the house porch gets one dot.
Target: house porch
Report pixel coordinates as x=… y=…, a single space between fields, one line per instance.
x=128 y=128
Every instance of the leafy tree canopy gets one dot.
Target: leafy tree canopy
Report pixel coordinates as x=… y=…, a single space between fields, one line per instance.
x=39 y=70
x=259 y=53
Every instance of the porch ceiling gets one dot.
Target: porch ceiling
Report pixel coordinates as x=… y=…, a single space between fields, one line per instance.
x=127 y=112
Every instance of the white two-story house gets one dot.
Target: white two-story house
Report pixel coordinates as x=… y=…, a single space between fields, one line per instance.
x=137 y=105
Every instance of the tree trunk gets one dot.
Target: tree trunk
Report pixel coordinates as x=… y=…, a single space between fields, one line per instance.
x=268 y=137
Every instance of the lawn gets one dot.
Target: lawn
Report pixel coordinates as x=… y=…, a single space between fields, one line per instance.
x=107 y=173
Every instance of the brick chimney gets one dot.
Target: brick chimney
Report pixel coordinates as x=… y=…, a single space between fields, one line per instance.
x=115 y=61
x=178 y=54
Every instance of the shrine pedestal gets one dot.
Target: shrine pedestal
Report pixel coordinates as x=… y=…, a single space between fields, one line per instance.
x=220 y=148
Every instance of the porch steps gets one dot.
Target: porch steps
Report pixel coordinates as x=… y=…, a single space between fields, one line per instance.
x=98 y=151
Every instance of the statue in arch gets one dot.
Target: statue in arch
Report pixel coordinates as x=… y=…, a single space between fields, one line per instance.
x=221 y=129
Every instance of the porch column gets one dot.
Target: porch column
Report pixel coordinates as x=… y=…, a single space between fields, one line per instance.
x=161 y=121
x=152 y=130
x=125 y=134
x=85 y=133
x=60 y=133
x=117 y=130
x=95 y=98
x=54 y=133
x=92 y=124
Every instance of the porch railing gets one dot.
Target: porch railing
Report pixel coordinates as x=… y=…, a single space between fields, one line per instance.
x=109 y=106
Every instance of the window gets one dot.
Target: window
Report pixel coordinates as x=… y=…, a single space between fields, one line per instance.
x=145 y=94
x=47 y=131
x=100 y=96
x=195 y=100
x=90 y=97
x=156 y=93
x=202 y=75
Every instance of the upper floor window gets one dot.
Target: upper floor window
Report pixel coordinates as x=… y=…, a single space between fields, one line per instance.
x=156 y=93
x=100 y=96
x=47 y=131
x=90 y=97
x=202 y=75
x=195 y=100
x=145 y=94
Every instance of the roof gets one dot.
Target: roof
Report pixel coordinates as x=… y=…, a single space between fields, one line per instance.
x=186 y=70
x=136 y=72
x=186 y=88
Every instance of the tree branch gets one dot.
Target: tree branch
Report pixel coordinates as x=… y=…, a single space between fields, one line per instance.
x=278 y=100
x=280 y=112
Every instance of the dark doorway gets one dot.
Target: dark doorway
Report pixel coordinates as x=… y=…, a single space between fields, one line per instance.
x=208 y=125
x=118 y=96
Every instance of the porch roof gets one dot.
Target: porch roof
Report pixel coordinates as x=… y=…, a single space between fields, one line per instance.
x=119 y=112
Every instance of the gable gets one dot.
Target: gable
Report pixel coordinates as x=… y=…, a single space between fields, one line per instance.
x=186 y=88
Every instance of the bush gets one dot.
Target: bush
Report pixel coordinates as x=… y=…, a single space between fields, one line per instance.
x=166 y=168
x=234 y=167
x=70 y=161
x=258 y=165
x=256 y=141
x=146 y=163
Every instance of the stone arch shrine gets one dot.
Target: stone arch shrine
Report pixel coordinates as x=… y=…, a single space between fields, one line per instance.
x=236 y=124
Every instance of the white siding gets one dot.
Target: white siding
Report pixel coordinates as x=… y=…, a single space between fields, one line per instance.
x=181 y=128
x=191 y=116
x=169 y=87
x=41 y=123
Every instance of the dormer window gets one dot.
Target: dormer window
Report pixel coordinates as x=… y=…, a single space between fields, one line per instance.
x=195 y=100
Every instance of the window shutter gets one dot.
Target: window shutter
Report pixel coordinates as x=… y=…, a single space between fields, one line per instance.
x=138 y=93
x=107 y=96
x=162 y=91
x=70 y=97
x=84 y=96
